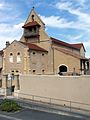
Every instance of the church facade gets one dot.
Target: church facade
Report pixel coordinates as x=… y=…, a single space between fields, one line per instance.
x=37 y=53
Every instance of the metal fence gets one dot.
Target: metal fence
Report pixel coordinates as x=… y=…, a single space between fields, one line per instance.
x=47 y=101
x=56 y=103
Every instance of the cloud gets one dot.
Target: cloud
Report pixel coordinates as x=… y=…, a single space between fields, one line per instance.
x=83 y=18
x=7 y=28
x=81 y=2
x=1 y=6
x=63 y=5
x=57 y=21
x=6 y=6
x=11 y=21
x=82 y=21
x=77 y=37
x=10 y=33
x=19 y=25
x=87 y=43
x=68 y=6
x=74 y=38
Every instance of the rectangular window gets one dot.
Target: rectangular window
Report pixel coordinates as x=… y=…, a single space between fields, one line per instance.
x=11 y=59
x=18 y=59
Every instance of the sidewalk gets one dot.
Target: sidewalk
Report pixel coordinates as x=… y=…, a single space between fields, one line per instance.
x=52 y=108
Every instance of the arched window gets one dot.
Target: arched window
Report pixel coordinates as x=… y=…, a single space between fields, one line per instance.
x=32 y=17
x=42 y=54
x=34 y=53
x=62 y=69
x=43 y=71
x=18 y=57
x=34 y=71
x=11 y=57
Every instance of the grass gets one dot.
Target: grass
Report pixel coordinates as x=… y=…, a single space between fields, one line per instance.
x=9 y=106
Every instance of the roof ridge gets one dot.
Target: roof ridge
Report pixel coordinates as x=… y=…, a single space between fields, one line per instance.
x=33 y=10
x=64 y=43
x=77 y=44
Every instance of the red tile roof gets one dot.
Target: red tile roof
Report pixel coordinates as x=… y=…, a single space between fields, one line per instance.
x=29 y=24
x=64 y=43
x=78 y=45
x=34 y=47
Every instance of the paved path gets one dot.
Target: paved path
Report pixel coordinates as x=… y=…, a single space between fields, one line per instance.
x=28 y=114
x=39 y=112
x=8 y=117
x=53 y=108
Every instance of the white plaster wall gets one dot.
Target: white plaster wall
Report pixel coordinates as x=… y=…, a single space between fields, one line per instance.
x=69 y=88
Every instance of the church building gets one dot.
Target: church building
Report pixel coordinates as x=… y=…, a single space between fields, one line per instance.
x=37 y=53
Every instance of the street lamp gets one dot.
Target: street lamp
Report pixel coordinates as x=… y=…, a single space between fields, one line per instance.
x=10 y=78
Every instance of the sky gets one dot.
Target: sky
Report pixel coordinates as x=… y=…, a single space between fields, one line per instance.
x=67 y=20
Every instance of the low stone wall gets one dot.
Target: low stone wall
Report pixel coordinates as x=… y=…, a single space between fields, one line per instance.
x=61 y=89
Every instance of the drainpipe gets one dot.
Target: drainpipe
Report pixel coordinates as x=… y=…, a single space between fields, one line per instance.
x=81 y=66
x=53 y=61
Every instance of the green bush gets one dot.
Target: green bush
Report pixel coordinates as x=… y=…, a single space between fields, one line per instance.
x=9 y=106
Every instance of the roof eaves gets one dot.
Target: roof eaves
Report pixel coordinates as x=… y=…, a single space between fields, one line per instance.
x=63 y=43
x=79 y=45
x=34 y=47
x=29 y=24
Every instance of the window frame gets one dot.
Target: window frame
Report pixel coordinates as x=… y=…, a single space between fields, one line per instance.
x=18 y=57
x=11 y=57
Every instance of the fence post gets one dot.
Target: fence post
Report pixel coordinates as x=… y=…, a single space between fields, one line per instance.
x=50 y=100
x=70 y=106
x=33 y=97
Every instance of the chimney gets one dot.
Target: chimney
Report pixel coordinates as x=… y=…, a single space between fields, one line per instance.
x=7 y=43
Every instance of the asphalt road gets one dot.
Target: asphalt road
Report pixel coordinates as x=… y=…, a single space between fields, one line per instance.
x=28 y=114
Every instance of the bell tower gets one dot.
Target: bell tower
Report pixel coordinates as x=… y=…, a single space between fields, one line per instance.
x=31 y=30
x=34 y=29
